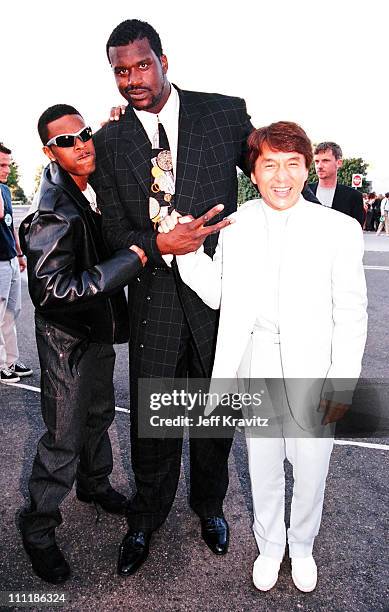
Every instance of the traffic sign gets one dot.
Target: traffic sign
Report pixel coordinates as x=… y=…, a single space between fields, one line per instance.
x=356 y=180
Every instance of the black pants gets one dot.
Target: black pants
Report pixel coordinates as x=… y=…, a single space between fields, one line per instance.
x=156 y=462
x=77 y=407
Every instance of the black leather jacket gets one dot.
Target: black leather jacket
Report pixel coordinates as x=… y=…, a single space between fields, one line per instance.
x=74 y=282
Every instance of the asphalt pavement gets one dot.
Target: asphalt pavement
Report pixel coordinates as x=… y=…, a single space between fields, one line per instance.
x=181 y=574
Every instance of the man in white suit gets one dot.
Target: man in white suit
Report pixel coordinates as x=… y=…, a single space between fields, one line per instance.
x=288 y=279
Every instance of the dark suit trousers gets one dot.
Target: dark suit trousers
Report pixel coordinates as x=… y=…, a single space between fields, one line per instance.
x=77 y=407
x=156 y=462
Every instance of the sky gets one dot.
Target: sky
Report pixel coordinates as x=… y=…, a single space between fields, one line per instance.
x=321 y=64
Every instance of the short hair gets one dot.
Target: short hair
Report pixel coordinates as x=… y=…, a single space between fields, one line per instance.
x=332 y=146
x=4 y=149
x=51 y=114
x=134 y=29
x=387 y=194
x=283 y=136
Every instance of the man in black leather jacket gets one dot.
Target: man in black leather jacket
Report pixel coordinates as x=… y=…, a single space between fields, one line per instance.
x=76 y=286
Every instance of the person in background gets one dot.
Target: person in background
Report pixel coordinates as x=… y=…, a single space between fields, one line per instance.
x=11 y=264
x=328 y=159
x=384 y=218
x=376 y=208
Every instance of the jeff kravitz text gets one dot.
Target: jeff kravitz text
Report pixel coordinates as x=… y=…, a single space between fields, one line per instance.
x=212 y=421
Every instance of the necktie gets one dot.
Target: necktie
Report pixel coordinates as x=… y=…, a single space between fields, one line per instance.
x=162 y=178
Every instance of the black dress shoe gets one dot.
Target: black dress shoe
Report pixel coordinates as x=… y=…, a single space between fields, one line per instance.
x=215 y=533
x=133 y=551
x=48 y=563
x=111 y=501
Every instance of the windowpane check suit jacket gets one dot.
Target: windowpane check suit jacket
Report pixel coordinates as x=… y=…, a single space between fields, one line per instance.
x=212 y=135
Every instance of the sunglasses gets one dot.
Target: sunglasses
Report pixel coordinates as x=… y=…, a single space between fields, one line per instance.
x=69 y=140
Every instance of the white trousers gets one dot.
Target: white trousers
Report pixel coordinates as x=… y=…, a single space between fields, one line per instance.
x=382 y=224
x=10 y=304
x=309 y=457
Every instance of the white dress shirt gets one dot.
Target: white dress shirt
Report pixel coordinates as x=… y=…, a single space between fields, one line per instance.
x=168 y=116
x=268 y=306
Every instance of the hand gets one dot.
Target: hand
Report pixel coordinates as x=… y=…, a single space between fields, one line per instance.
x=115 y=114
x=333 y=411
x=140 y=252
x=169 y=222
x=22 y=264
x=188 y=237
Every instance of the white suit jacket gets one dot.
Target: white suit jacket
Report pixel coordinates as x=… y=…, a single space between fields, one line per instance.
x=322 y=292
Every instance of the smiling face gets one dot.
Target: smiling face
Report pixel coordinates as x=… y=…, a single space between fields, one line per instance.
x=78 y=160
x=280 y=177
x=140 y=75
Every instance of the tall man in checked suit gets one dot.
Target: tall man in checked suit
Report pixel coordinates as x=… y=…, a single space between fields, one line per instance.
x=328 y=159
x=173 y=332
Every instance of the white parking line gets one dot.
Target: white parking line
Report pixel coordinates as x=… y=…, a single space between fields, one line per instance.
x=37 y=390
x=376 y=267
x=364 y=444
x=28 y=387
x=339 y=442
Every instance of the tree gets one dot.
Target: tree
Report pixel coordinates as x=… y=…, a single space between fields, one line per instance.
x=18 y=194
x=350 y=166
x=246 y=190
x=38 y=176
x=13 y=177
x=17 y=191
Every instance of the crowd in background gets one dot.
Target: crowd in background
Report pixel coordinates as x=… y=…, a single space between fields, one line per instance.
x=376 y=212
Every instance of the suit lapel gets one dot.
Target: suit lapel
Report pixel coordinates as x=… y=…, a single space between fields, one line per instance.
x=134 y=144
x=338 y=201
x=190 y=147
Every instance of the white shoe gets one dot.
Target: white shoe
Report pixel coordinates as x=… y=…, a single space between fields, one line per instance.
x=304 y=573
x=265 y=572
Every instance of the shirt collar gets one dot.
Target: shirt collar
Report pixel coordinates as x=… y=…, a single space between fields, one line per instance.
x=168 y=113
